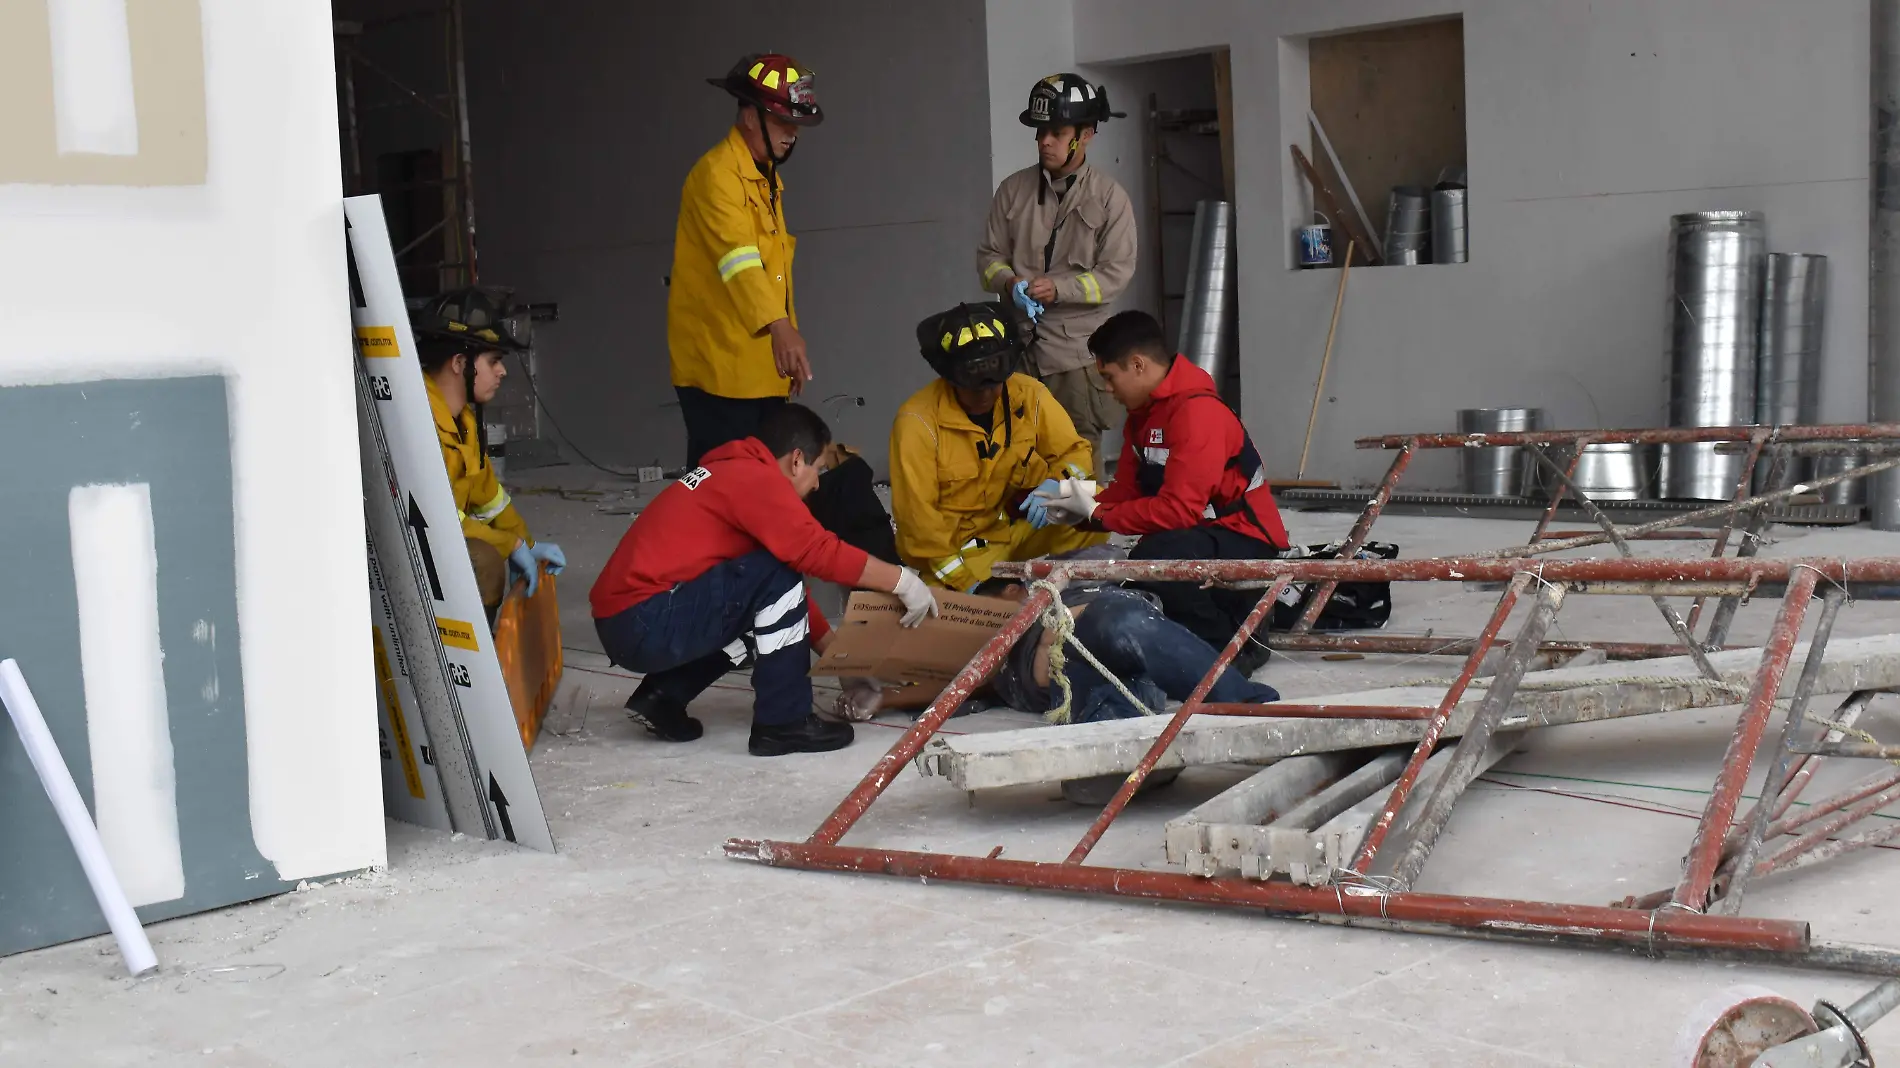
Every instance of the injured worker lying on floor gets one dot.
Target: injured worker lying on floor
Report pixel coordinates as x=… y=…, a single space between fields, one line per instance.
x=1156 y=659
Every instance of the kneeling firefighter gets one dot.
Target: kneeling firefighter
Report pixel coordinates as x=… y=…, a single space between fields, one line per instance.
x=967 y=449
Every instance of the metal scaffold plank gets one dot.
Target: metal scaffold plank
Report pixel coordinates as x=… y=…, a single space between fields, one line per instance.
x=1046 y=754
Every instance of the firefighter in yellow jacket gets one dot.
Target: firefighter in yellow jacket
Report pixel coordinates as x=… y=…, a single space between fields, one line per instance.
x=967 y=450
x=462 y=337
x=731 y=326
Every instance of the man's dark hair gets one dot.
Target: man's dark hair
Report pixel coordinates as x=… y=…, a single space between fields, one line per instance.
x=433 y=352
x=1127 y=334
x=794 y=427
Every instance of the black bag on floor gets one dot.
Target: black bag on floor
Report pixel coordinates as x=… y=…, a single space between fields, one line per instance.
x=1353 y=605
x=846 y=503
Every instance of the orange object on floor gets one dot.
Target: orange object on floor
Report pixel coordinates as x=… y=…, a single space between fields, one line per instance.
x=528 y=645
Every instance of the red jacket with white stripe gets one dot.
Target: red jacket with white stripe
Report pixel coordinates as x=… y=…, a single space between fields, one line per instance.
x=736 y=502
x=1186 y=460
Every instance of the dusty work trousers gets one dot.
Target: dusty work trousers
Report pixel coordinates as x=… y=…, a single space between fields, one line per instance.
x=1092 y=408
x=1155 y=657
x=683 y=640
x=491 y=572
x=713 y=421
x=1019 y=541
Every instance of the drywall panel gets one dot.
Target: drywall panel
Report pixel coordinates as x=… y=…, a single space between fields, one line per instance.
x=586 y=118
x=231 y=280
x=1587 y=127
x=129 y=486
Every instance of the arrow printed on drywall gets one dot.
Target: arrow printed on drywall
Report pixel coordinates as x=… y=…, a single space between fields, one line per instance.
x=421 y=527
x=500 y=801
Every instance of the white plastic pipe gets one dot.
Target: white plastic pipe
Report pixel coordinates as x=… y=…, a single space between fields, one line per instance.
x=57 y=778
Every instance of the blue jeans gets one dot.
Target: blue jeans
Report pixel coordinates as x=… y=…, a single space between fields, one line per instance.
x=683 y=640
x=1156 y=657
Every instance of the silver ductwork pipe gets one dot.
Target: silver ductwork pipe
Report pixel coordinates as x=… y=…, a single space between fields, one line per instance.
x=1498 y=470
x=1883 y=490
x=1716 y=259
x=1210 y=315
x=1788 y=371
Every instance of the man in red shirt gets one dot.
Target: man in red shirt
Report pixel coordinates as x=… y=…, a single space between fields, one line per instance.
x=1190 y=481
x=721 y=554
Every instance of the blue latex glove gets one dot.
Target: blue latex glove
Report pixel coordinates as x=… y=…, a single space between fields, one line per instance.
x=550 y=554
x=1037 y=504
x=1030 y=306
x=522 y=560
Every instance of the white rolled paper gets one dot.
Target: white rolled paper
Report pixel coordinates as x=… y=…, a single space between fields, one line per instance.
x=57 y=778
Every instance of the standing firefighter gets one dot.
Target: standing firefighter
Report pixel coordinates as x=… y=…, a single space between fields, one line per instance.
x=731 y=326
x=1060 y=244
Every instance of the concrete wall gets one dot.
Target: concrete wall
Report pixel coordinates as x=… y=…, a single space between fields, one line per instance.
x=224 y=274
x=588 y=116
x=1589 y=125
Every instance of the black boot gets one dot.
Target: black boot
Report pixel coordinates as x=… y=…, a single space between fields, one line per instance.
x=663 y=717
x=812 y=735
x=1252 y=657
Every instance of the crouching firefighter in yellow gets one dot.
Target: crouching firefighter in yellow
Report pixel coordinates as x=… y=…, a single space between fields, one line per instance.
x=462 y=337
x=967 y=450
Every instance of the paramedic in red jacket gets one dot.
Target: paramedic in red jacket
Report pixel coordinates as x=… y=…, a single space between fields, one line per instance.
x=1189 y=482
x=720 y=554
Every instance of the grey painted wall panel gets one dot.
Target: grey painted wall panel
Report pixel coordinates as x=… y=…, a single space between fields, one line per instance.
x=173 y=434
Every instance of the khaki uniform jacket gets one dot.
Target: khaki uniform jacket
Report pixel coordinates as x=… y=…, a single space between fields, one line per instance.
x=1091 y=261
x=951 y=482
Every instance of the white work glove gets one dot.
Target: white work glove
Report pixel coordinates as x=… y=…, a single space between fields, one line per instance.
x=860 y=701
x=1072 y=503
x=917 y=598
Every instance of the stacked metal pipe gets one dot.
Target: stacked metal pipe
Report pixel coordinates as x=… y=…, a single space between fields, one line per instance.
x=1788 y=373
x=1716 y=263
x=1210 y=316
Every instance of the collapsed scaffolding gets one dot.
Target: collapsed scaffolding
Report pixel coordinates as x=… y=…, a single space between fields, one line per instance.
x=1326 y=764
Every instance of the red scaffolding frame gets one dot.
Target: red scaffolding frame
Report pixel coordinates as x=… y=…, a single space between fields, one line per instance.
x=1777 y=443
x=1698 y=915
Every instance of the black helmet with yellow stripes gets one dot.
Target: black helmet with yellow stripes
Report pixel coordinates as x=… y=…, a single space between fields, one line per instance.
x=484 y=318
x=971 y=345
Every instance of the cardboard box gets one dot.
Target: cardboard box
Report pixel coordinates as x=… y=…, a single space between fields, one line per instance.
x=869 y=642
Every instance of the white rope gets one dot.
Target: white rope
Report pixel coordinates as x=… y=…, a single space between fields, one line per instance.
x=1060 y=622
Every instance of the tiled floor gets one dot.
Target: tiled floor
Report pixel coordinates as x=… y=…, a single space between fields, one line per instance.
x=641 y=944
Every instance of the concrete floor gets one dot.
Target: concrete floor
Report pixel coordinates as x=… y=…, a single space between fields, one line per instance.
x=640 y=944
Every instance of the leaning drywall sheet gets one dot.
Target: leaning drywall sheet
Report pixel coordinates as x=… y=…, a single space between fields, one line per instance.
x=1044 y=754
x=473 y=732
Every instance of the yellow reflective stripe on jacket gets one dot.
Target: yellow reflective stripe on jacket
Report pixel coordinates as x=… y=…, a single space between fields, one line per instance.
x=486 y=513
x=994 y=269
x=1075 y=472
x=743 y=258
x=948 y=566
x=1091 y=289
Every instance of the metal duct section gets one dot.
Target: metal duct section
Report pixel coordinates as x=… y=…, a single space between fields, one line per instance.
x=1715 y=276
x=1408 y=226
x=1883 y=490
x=1788 y=371
x=1448 y=225
x=1209 y=317
x=1793 y=313
x=1498 y=470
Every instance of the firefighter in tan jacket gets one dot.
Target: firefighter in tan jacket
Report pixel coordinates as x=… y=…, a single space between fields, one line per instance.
x=1060 y=245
